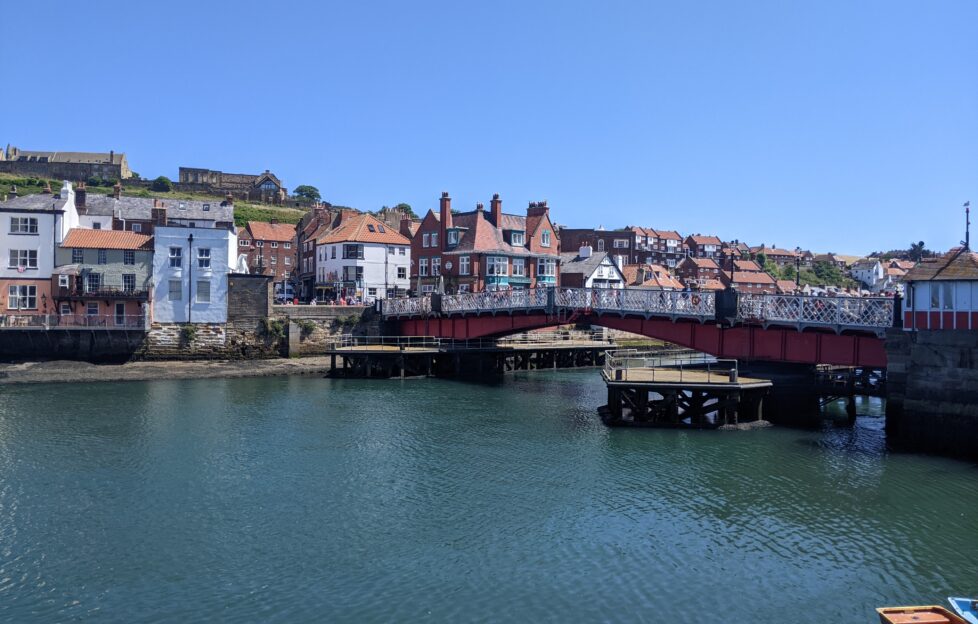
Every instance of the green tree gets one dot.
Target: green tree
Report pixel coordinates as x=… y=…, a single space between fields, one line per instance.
x=917 y=251
x=788 y=272
x=308 y=192
x=762 y=259
x=406 y=209
x=162 y=184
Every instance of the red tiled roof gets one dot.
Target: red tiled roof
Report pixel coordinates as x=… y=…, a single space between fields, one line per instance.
x=703 y=263
x=786 y=286
x=752 y=277
x=667 y=234
x=357 y=230
x=280 y=232
x=82 y=238
x=773 y=251
x=705 y=240
x=746 y=265
x=712 y=284
x=656 y=276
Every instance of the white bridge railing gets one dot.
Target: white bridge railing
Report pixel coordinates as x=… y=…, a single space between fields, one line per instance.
x=839 y=313
x=836 y=312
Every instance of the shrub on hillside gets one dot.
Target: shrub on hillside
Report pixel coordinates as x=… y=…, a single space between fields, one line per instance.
x=162 y=184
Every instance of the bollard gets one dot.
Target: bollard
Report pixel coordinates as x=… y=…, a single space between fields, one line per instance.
x=733 y=374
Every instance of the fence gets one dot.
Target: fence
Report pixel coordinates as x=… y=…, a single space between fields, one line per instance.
x=673 y=366
x=72 y=321
x=873 y=312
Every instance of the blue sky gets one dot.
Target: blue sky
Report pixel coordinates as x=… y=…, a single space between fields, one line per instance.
x=838 y=126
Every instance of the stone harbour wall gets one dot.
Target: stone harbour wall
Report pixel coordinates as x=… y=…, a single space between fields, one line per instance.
x=932 y=391
x=239 y=340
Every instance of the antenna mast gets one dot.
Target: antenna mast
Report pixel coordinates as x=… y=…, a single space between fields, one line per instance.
x=967 y=225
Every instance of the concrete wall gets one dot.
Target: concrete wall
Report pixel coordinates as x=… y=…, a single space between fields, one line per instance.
x=932 y=391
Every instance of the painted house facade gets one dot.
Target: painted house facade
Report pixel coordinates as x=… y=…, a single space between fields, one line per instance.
x=190 y=272
x=103 y=277
x=31 y=228
x=363 y=258
x=476 y=251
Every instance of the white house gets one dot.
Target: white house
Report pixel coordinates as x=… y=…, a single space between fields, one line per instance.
x=31 y=228
x=362 y=258
x=590 y=269
x=870 y=273
x=942 y=293
x=190 y=273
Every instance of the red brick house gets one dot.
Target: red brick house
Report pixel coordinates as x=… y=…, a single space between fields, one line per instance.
x=271 y=250
x=663 y=247
x=696 y=271
x=703 y=246
x=750 y=282
x=478 y=250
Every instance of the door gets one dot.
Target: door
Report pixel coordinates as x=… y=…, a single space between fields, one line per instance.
x=120 y=313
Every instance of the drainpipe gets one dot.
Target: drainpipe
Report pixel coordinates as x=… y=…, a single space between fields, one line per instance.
x=190 y=277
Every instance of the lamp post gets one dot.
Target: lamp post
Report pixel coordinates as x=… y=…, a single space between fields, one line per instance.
x=190 y=277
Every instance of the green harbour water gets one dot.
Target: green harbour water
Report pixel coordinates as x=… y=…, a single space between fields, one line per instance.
x=312 y=500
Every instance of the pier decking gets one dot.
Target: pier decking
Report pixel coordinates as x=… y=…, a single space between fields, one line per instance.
x=655 y=389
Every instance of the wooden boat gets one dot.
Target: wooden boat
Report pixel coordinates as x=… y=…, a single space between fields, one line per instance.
x=931 y=614
x=967 y=608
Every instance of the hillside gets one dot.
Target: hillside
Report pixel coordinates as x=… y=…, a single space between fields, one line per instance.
x=243 y=211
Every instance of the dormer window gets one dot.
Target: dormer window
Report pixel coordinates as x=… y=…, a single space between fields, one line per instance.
x=207 y=207
x=516 y=239
x=183 y=206
x=453 y=237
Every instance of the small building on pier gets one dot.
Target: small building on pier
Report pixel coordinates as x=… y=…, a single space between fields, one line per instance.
x=942 y=293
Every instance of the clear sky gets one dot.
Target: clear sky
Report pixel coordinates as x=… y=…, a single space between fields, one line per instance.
x=842 y=126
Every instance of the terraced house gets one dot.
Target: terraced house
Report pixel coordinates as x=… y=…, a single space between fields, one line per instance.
x=476 y=251
x=103 y=277
x=271 y=250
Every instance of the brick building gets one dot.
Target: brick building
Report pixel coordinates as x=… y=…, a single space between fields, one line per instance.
x=619 y=244
x=271 y=250
x=696 y=271
x=475 y=251
x=701 y=246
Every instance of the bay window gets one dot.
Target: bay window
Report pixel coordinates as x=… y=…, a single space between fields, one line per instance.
x=519 y=267
x=497 y=265
x=546 y=267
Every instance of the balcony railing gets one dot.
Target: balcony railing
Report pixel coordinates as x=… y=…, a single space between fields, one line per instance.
x=72 y=321
x=100 y=293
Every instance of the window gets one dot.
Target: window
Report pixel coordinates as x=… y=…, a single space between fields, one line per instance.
x=207 y=207
x=96 y=226
x=22 y=297
x=242 y=242
x=401 y=272
x=93 y=282
x=65 y=309
x=496 y=265
x=204 y=291
x=519 y=267
x=26 y=258
x=372 y=292
x=948 y=295
x=434 y=239
x=77 y=256
x=545 y=238
x=204 y=258
x=390 y=251
x=516 y=239
x=63 y=281
x=137 y=227
x=621 y=243
x=436 y=266
x=274 y=245
x=600 y=244
x=463 y=288
x=401 y=251
x=426 y=240
x=381 y=229
x=287 y=245
x=129 y=257
x=182 y=206
x=352 y=273
x=128 y=282
x=288 y=261
x=91 y=308
x=353 y=252
x=274 y=259
x=23 y=225
x=333 y=254
x=423 y=267
x=176 y=257
x=103 y=257
x=175 y=290
x=259 y=243
x=546 y=267
x=370 y=228
x=453 y=237
x=463 y=265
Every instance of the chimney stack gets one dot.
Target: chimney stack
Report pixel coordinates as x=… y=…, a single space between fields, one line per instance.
x=537 y=209
x=47 y=189
x=496 y=209
x=111 y=156
x=229 y=199
x=445 y=210
x=13 y=190
x=117 y=190
x=81 y=195
x=273 y=221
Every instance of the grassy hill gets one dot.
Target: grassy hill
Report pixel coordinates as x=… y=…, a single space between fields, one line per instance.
x=243 y=211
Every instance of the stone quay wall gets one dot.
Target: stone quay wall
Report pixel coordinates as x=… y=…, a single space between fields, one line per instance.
x=932 y=390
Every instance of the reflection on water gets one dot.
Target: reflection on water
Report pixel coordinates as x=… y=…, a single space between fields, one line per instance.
x=298 y=499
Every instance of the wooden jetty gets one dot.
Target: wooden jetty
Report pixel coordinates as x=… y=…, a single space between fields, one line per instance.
x=654 y=389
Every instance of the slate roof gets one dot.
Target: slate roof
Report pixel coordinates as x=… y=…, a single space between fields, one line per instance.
x=82 y=238
x=957 y=264
x=198 y=210
x=39 y=201
x=572 y=262
x=280 y=232
x=141 y=208
x=135 y=208
x=357 y=230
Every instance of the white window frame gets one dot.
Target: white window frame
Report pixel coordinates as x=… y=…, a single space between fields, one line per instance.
x=204 y=258
x=207 y=292
x=422 y=267
x=545 y=238
x=23 y=225
x=170 y=291
x=519 y=267
x=426 y=240
x=176 y=257
x=464 y=265
x=26 y=258
x=495 y=263
x=517 y=239
x=20 y=296
x=436 y=266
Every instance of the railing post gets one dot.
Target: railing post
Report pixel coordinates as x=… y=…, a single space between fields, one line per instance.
x=551 y=299
x=897 y=311
x=436 y=302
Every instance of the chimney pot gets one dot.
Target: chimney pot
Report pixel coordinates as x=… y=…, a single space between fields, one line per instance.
x=444 y=194
x=495 y=195
x=479 y=206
